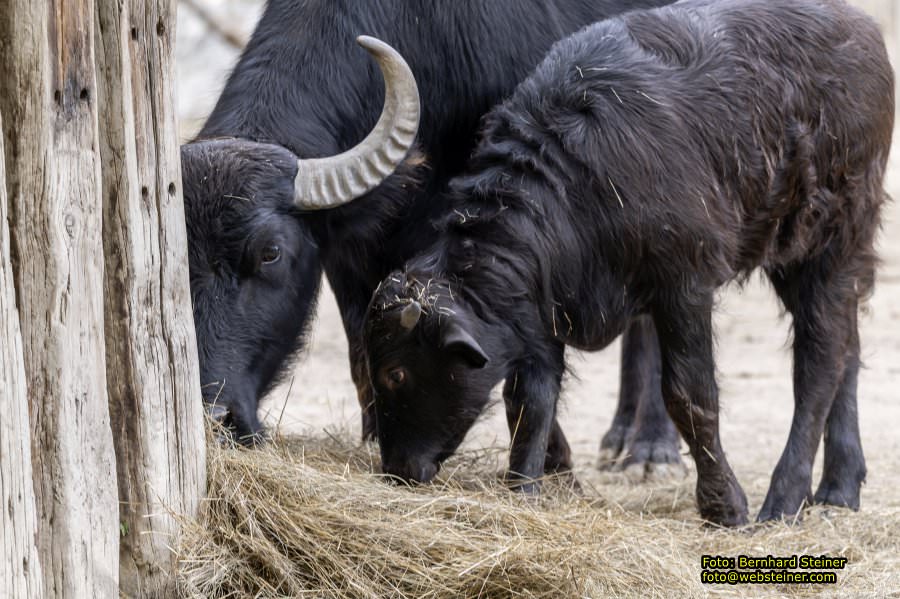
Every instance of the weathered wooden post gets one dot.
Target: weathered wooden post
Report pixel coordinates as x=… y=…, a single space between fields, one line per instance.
x=20 y=570
x=49 y=101
x=97 y=265
x=152 y=372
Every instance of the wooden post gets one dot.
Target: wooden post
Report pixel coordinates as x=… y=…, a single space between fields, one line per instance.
x=20 y=570
x=48 y=99
x=153 y=374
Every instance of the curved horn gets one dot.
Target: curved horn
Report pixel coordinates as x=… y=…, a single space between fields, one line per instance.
x=330 y=182
x=409 y=316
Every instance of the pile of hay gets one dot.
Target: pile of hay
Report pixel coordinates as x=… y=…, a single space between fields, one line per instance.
x=306 y=517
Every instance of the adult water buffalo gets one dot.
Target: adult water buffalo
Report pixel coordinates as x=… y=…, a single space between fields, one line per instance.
x=303 y=90
x=649 y=160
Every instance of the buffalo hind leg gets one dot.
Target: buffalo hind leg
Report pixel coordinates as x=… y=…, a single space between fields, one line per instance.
x=632 y=382
x=537 y=443
x=823 y=305
x=845 y=466
x=691 y=397
x=642 y=435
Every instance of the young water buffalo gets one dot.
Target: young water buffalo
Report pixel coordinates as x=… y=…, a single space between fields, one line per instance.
x=648 y=161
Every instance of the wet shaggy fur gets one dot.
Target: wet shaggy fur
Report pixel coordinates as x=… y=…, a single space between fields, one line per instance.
x=303 y=88
x=649 y=160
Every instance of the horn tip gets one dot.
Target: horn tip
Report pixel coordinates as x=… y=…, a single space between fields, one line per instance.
x=368 y=42
x=378 y=47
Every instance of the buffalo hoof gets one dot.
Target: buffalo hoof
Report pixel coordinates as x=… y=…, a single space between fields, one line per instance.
x=726 y=507
x=729 y=519
x=652 y=472
x=526 y=486
x=652 y=460
x=784 y=507
x=838 y=495
x=611 y=445
x=558 y=459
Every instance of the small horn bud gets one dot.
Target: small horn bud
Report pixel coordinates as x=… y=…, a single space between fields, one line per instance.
x=410 y=315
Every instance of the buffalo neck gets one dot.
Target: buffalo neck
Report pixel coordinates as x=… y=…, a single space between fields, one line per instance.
x=515 y=242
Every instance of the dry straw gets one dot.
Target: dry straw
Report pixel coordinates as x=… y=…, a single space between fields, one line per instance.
x=307 y=518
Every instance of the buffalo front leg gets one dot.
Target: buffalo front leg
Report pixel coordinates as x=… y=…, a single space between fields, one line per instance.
x=650 y=447
x=691 y=396
x=353 y=301
x=824 y=347
x=558 y=459
x=537 y=443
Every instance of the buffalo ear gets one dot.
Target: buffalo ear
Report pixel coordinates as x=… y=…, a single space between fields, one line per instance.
x=456 y=339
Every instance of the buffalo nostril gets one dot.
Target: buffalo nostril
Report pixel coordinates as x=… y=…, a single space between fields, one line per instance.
x=427 y=472
x=410 y=472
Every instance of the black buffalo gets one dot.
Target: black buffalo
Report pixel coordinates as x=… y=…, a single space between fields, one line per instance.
x=303 y=90
x=649 y=160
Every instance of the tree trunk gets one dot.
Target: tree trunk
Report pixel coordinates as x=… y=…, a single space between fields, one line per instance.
x=20 y=571
x=48 y=99
x=153 y=376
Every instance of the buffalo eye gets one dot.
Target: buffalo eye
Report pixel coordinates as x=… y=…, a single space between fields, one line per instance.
x=270 y=254
x=395 y=378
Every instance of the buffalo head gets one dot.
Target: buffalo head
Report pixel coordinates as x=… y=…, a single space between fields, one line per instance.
x=253 y=262
x=431 y=377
